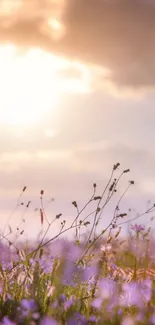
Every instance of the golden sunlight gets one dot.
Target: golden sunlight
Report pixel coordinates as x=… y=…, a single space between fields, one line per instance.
x=55 y=24
x=30 y=84
x=7 y=7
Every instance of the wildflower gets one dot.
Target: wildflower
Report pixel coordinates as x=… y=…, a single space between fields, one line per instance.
x=28 y=304
x=107 y=288
x=57 y=248
x=119 y=311
x=81 y=318
x=89 y=272
x=140 y=316
x=137 y=228
x=7 y=321
x=48 y=321
x=146 y=289
x=96 y=303
x=112 y=304
x=46 y=265
x=54 y=304
x=32 y=261
x=63 y=297
x=131 y=295
x=105 y=248
x=152 y=319
x=69 y=272
x=92 y=318
x=77 y=319
x=27 y=307
x=113 y=266
x=68 y=303
x=74 y=252
x=36 y=315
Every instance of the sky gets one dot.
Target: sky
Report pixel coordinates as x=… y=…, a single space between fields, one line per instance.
x=77 y=95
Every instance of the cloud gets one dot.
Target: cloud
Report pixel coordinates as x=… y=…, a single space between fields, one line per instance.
x=68 y=175
x=102 y=157
x=115 y=34
x=72 y=168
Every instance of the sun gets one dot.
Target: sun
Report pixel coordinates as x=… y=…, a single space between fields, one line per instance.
x=30 y=85
x=27 y=86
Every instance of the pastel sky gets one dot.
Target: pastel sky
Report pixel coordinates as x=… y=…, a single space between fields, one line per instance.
x=77 y=94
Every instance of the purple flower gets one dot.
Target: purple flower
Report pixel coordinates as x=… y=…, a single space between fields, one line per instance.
x=96 y=303
x=5 y=255
x=152 y=319
x=92 y=318
x=46 y=265
x=69 y=272
x=74 y=251
x=28 y=304
x=63 y=297
x=7 y=321
x=27 y=307
x=132 y=295
x=81 y=318
x=54 y=304
x=36 y=315
x=137 y=228
x=32 y=261
x=57 y=248
x=68 y=303
x=119 y=311
x=89 y=272
x=113 y=266
x=136 y=293
x=140 y=316
x=77 y=319
x=108 y=287
x=146 y=289
x=113 y=303
x=48 y=321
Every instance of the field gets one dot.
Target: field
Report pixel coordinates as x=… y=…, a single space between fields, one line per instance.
x=98 y=279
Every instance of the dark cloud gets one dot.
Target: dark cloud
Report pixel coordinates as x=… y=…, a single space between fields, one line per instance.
x=116 y=34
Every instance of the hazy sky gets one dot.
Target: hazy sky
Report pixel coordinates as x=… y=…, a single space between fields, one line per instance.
x=77 y=94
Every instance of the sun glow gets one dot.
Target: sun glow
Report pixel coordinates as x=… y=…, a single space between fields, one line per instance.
x=55 y=24
x=30 y=86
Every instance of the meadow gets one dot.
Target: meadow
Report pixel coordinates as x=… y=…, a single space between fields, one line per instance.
x=95 y=278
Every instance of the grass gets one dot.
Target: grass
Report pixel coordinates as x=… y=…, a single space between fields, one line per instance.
x=95 y=278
